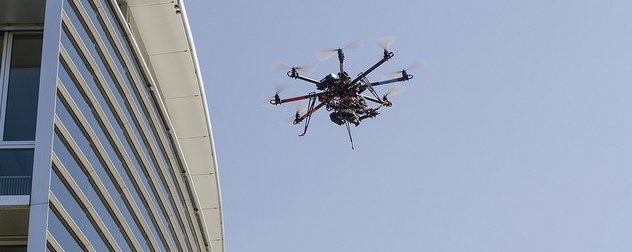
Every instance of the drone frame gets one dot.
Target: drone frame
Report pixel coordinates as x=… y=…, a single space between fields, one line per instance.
x=321 y=96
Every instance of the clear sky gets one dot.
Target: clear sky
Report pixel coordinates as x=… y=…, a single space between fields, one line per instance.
x=516 y=136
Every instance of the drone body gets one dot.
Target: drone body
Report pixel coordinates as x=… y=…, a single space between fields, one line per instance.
x=342 y=95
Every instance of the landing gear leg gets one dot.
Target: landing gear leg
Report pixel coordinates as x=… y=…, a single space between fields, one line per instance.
x=310 y=110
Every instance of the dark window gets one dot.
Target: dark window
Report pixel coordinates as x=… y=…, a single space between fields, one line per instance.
x=23 y=85
x=16 y=168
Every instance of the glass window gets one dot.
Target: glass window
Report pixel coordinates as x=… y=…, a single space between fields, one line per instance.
x=16 y=162
x=23 y=85
x=16 y=167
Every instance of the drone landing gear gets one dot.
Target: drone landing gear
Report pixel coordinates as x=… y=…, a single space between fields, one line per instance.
x=310 y=111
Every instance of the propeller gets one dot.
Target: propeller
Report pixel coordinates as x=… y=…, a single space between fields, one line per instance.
x=418 y=64
x=386 y=42
x=302 y=107
x=326 y=54
x=395 y=90
x=280 y=65
x=276 y=99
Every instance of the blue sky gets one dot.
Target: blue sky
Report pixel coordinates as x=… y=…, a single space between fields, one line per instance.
x=516 y=136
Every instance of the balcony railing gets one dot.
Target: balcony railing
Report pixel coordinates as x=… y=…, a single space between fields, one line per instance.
x=15 y=185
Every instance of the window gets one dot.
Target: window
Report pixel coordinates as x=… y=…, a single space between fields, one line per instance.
x=20 y=86
x=20 y=56
x=16 y=169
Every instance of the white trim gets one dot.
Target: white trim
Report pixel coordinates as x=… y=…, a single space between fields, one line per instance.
x=7 y=200
x=214 y=168
x=5 y=52
x=4 y=83
x=17 y=145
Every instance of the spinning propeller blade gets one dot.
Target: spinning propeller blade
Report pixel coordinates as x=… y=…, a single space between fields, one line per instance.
x=418 y=64
x=289 y=120
x=326 y=54
x=302 y=107
x=386 y=42
x=280 y=65
x=279 y=87
x=354 y=45
x=395 y=90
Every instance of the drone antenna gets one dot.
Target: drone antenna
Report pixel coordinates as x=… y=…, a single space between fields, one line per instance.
x=349 y=131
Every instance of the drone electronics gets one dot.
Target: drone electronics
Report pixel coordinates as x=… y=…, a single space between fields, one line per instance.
x=339 y=93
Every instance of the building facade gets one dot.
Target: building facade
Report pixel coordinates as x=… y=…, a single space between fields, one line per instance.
x=105 y=137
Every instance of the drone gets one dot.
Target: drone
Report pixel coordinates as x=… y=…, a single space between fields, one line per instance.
x=339 y=93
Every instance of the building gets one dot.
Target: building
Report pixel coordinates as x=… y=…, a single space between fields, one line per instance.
x=105 y=137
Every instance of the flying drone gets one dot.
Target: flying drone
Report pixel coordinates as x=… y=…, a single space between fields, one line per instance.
x=339 y=93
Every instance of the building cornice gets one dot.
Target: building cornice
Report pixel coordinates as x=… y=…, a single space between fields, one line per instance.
x=164 y=42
